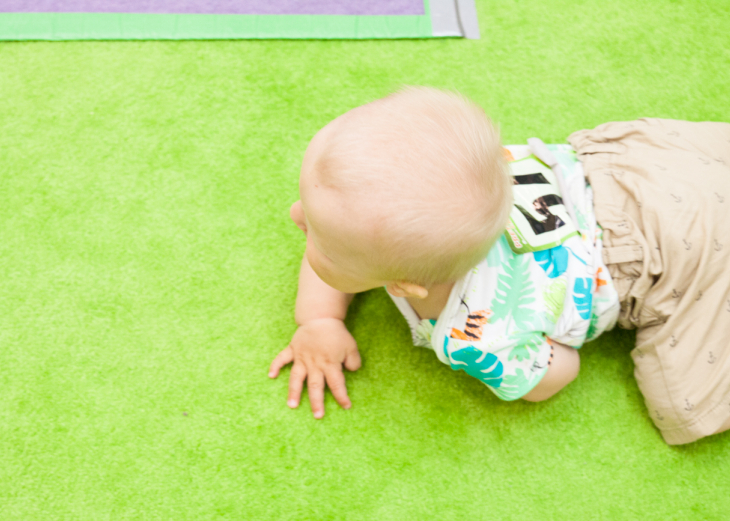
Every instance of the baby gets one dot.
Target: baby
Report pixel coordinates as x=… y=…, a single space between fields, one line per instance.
x=413 y=192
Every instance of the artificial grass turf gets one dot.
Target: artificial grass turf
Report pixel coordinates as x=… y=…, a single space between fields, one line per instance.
x=149 y=273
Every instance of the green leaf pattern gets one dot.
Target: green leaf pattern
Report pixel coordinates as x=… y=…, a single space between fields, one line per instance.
x=526 y=345
x=424 y=332
x=554 y=297
x=515 y=292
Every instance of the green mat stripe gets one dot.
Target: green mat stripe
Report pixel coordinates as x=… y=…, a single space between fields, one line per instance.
x=124 y=26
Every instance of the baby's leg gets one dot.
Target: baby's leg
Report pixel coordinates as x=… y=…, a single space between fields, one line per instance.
x=563 y=369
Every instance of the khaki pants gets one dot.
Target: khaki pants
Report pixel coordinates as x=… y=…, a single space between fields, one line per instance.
x=662 y=195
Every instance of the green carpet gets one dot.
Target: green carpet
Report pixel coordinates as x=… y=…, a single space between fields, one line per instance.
x=149 y=273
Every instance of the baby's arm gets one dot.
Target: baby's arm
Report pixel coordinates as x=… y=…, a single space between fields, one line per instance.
x=562 y=370
x=320 y=346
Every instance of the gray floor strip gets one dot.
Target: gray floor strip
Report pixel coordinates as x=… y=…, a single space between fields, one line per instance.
x=467 y=11
x=454 y=18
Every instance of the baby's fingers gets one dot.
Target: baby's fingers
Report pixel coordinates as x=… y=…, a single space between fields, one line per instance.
x=352 y=360
x=315 y=387
x=296 y=382
x=283 y=358
x=336 y=382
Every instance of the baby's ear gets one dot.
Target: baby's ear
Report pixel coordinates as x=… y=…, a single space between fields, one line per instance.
x=406 y=289
x=297 y=215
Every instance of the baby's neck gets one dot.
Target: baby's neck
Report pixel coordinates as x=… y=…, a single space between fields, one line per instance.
x=431 y=306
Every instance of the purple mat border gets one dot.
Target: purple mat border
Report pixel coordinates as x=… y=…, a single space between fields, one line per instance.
x=245 y=7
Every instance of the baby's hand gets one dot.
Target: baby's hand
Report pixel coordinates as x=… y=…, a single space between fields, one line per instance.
x=318 y=349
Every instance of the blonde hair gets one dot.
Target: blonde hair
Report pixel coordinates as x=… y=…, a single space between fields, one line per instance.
x=428 y=171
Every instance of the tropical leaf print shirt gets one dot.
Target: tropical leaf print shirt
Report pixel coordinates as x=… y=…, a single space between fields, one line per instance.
x=544 y=278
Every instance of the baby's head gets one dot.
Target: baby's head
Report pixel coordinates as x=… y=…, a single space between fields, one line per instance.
x=408 y=191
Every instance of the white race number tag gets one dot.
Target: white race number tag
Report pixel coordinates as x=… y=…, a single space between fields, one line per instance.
x=538 y=220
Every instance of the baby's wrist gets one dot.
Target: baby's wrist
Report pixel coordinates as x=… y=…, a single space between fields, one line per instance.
x=315 y=319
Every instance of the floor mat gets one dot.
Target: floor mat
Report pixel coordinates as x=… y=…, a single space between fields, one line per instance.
x=229 y=19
